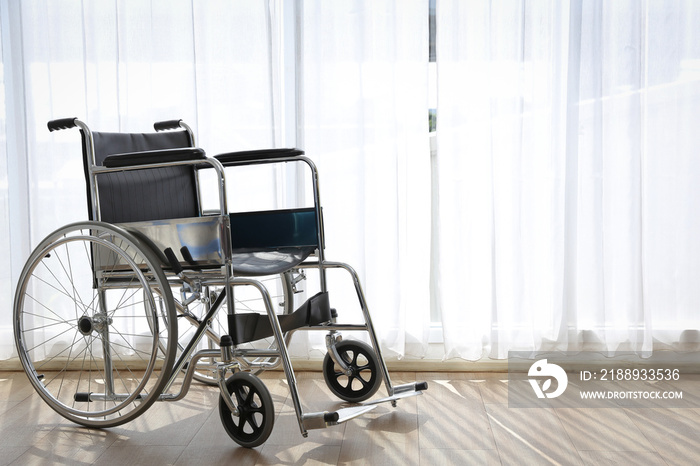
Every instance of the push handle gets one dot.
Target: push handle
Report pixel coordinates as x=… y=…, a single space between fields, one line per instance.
x=166 y=125
x=61 y=123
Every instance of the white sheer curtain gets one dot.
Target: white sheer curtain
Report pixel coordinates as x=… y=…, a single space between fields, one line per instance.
x=565 y=191
x=363 y=78
x=364 y=121
x=567 y=168
x=6 y=291
x=120 y=66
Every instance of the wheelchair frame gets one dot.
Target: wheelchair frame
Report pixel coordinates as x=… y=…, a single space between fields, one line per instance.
x=155 y=268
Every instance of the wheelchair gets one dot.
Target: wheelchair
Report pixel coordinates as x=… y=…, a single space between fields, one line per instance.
x=152 y=292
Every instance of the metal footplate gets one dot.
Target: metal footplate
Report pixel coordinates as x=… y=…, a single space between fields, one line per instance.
x=333 y=418
x=89 y=397
x=401 y=391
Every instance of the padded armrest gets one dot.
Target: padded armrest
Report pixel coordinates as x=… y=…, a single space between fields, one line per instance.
x=256 y=155
x=154 y=156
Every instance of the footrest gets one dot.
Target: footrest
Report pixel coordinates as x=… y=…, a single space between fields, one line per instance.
x=345 y=414
x=325 y=419
x=82 y=397
x=402 y=391
x=410 y=387
x=89 y=397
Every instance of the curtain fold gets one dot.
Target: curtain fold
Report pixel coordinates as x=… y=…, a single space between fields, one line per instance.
x=121 y=66
x=562 y=198
x=6 y=272
x=365 y=123
x=565 y=136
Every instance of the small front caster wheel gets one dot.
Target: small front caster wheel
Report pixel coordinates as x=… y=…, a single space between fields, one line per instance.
x=253 y=425
x=362 y=381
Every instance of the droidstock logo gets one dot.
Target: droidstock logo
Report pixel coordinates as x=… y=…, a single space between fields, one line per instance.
x=541 y=369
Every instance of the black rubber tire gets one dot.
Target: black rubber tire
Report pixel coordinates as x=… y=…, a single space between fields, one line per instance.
x=83 y=282
x=257 y=413
x=365 y=378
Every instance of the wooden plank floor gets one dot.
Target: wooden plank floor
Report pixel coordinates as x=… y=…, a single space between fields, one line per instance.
x=463 y=418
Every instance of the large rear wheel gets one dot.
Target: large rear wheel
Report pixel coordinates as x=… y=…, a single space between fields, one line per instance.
x=89 y=334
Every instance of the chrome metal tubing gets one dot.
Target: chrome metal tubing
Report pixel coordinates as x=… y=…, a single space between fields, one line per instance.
x=199 y=334
x=255 y=353
x=90 y=154
x=190 y=133
x=94 y=169
x=405 y=388
x=332 y=338
x=106 y=348
x=105 y=324
x=215 y=164
x=319 y=220
x=208 y=353
x=195 y=322
x=265 y=365
x=365 y=311
x=189 y=375
x=282 y=348
x=317 y=200
x=339 y=327
x=225 y=395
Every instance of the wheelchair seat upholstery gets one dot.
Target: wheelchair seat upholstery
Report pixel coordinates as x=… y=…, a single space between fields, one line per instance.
x=264 y=243
x=269 y=262
x=149 y=194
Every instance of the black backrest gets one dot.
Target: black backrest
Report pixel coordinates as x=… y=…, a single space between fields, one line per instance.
x=140 y=195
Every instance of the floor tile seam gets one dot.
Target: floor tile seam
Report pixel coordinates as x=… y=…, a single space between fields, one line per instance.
x=16 y=460
x=493 y=420
x=194 y=436
x=491 y=434
x=568 y=436
x=649 y=440
x=580 y=450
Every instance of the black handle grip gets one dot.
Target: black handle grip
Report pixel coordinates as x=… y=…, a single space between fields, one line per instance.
x=62 y=123
x=165 y=125
x=420 y=386
x=174 y=263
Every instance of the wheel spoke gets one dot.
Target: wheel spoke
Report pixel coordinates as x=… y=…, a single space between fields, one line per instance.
x=241 y=426
x=354 y=377
x=240 y=396
x=68 y=334
x=253 y=422
x=249 y=398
